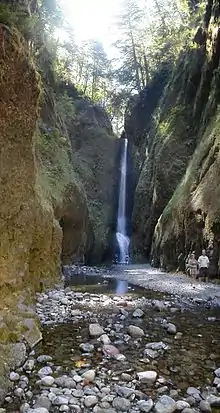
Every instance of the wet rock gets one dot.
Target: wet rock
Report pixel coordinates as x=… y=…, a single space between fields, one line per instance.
x=147 y=377
x=135 y=331
x=191 y=391
x=60 y=400
x=95 y=330
x=181 y=404
x=87 y=347
x=110 y=350
x=14 y=376
x=165 y=405
x=145 y=406
x=123 y=391
x=205 y=407
x=105 y=339
x=121 y=404
x=90 y=401
x=29 y=365
x=138 y=313
x=44 y=358
x=47 y=381
x=213 y=400
x=45 y=371
x=217 y=372
x=89 y=375
x=171 y=328
x=42 y=401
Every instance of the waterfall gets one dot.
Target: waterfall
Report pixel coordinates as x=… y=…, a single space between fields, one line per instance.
x=121 y=234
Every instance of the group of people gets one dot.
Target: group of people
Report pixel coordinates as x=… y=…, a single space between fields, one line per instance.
x=197 y=268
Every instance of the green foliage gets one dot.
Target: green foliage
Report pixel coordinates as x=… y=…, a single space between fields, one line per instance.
x=65 y=108
x=19 y=18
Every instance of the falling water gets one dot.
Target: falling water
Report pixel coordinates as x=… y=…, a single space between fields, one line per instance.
x=121 y=235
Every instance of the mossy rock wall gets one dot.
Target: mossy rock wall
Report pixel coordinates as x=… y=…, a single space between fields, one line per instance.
x=176 y=200
x=29 y=233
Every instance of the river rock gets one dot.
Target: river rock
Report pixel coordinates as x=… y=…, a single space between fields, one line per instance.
x=89 y=375
x=159 y=305
x=95 y=330
x=150 y=353
x=126 y=377
x=123 y=391
x=121 y=404
x=158 y=345
x=47 y=381
x=191 y=391
x=90 y=401
x=188 y=410
x=60 y=400
x=45 y=371
x=171 y=328
x=42 y=401
x=138 y=313
x=216 y=381
x=105 y=339
x=87 y=347
x=181 y=404
x=110 y=350
x=44 y=358
x=213 y=400
x=205 y=407
x=165 y=404
x=29 y=365
x=23 y=408
x=38 y=410
x=14 y=376
x=145 y=406
x=64 y=408
x=217 y=372
x=147 y=377
x=65 y=382
x=135 y=331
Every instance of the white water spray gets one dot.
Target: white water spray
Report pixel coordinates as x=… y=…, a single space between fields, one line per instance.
x=121 y=235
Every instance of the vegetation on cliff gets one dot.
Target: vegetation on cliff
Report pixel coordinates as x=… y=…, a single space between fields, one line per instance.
x=177 y=204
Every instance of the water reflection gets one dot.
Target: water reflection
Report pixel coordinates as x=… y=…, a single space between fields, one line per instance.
x=97 y=284
x=121 y=287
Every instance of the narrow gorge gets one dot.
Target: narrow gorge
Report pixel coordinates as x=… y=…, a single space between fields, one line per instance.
x=109 y=172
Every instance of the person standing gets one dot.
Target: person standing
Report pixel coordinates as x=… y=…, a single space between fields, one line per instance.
x=203 y=263
x=192 y=265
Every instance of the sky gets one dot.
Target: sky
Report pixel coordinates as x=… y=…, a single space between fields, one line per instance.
x=94 y=19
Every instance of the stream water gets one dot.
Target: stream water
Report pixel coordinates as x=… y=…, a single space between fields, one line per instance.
x=187 y=358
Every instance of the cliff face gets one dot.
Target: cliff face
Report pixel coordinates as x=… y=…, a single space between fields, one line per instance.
x=56 y=184
x=176 y=200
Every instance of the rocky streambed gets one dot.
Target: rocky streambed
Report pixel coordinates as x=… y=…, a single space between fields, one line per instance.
x=111 y=347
